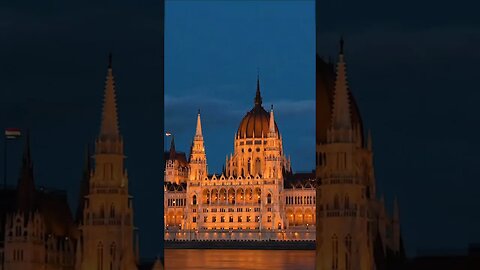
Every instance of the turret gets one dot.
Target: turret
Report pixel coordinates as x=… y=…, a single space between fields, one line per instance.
x=26 y=184
x=198 y=157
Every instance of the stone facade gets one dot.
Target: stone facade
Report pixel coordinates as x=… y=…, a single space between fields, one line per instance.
x=256 y=197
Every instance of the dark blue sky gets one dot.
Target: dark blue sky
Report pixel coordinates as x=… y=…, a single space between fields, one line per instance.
x=212 y=52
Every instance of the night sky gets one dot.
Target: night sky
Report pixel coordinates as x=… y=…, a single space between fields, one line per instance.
x=411 y=65
x=213 y=51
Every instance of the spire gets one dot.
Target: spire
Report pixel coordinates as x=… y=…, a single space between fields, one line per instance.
x=198 y=131
x=172 y=149
x=258 y=96
x=26 y=184
x=341 y=118
x=271 y=124
x=109 y=126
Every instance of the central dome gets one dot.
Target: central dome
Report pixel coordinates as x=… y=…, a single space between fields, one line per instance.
x=256 y=121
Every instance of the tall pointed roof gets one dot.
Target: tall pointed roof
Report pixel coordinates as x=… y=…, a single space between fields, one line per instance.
x=256 y=121
x=271 y=124
x=258 y=96
x=341 y=115
x=109 y=126
x=198 y=130
x=26 y=184
x=173 y=153
x=325 y=85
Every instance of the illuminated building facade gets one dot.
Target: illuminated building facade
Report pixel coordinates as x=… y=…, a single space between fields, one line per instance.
x=256 y=197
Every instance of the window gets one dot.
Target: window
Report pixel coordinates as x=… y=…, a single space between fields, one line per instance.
x=194 y=219
x=100 y=256
x=205 y=219
x=334 y=252
x=194 y=200
x=113 y=252
x=269 y=219
x=230 y=219
x=257 y=218
x=222 y=219
x=239 y=219
x=269 y=198
x=348 y=252
x=347 y=203
x=112 y=211
x=214 y=219
x=249 y=218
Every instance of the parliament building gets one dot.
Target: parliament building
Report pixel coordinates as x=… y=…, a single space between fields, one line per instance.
x=253 y=198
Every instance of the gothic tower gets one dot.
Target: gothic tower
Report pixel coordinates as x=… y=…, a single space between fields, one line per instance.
x=107 y=230
x=346 y=187
x=198 y=158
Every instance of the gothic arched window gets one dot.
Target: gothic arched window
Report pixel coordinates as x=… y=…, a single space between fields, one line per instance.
x=100 y=256
x=194 y=200
x=258 y=166
x=269 y=198
x=112 y=211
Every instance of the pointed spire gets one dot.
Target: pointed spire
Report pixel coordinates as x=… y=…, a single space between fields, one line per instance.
x=198 y=131
x=26 y=184
x=341 y=117
x=109 y=126
x=258 y=96
x=172 y=149
x=271 y=124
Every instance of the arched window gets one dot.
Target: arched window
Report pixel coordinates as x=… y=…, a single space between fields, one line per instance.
x=194 y=200
x=258 y=166
x=269 y=198
x=347 y=202
x=113 y=254
x=348 y=252
x=100 y=256
x=334 y=252
x=112 y=211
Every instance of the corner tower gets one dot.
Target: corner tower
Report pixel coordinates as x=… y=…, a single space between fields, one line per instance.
x=107 y=230
x=198 y=157
x=346 y=187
